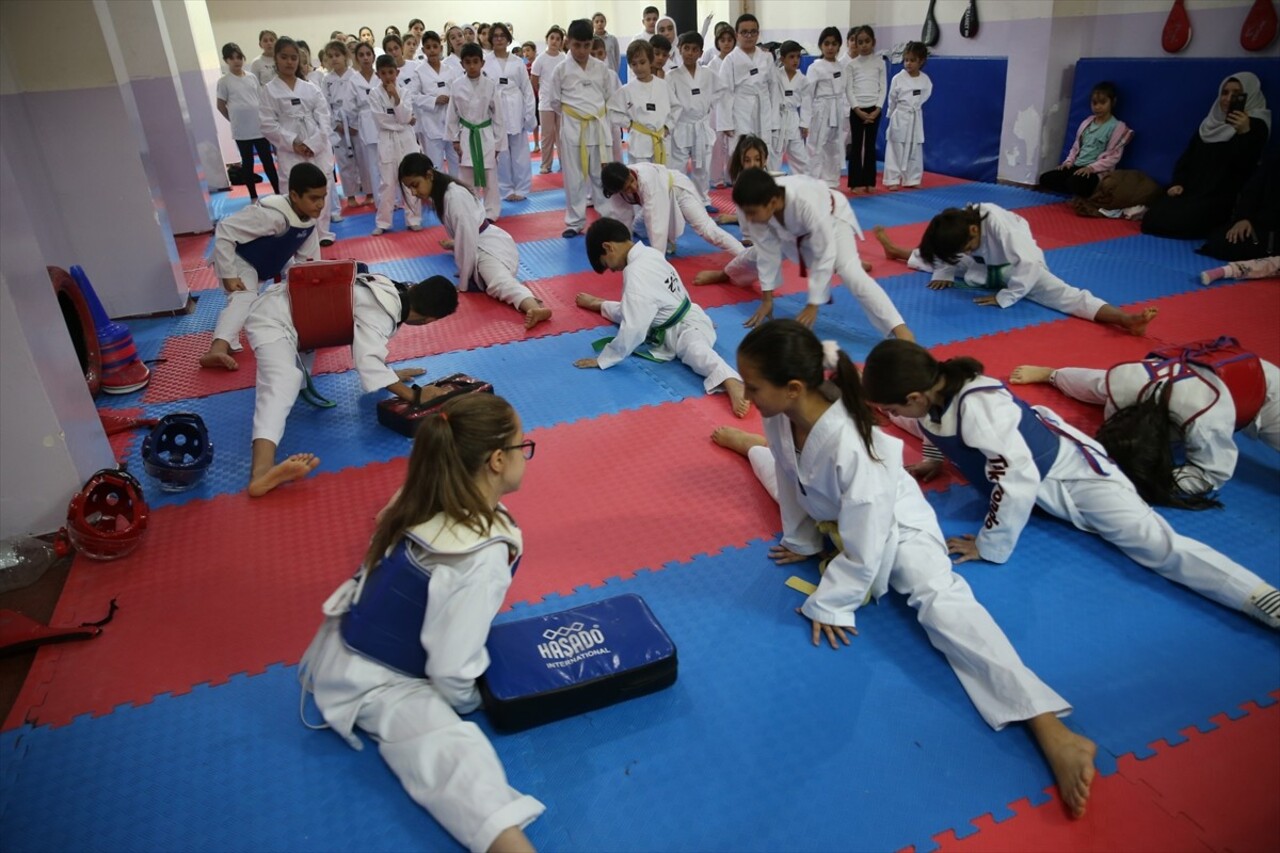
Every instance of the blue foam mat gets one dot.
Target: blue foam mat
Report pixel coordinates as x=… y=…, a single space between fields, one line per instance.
x=759 y=728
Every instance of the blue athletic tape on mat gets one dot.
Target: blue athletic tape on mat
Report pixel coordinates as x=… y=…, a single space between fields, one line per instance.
x=536 y=375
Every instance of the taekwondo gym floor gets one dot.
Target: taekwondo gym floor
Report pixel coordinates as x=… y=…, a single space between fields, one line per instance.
x=177 y=728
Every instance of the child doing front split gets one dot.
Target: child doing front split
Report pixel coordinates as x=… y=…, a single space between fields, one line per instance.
x=1196 y=396
x=446 y=535
x=1027 y=457
x=831 y=470
x=655 y=311
x=379 y=307
x=259 y=243
x=992 y=248
x=486 y=256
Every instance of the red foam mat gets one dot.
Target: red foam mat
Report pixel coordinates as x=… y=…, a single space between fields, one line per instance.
x=1187 y=797
x=253 y=599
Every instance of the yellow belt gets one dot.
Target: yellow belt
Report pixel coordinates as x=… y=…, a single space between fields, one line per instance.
x=659 y=142
x=582 y=139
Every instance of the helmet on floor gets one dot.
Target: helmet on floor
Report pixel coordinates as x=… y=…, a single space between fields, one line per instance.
x=178 y=451
x=108 y=517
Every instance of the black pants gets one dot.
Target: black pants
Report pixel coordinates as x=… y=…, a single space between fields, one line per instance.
x=1187 y=216
x=247 y=147
x=1067 y=181
x=862 y=151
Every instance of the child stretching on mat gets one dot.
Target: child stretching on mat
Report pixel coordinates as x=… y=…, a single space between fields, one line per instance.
x=402 y=668
x=486 y=256
x=802 y=218
x=655 y=310
x=1164 y=400
x=832 y=471
x=379 y=306
x=667 y=200
x=259 y=243
x=993 y=248
x=1027 y=457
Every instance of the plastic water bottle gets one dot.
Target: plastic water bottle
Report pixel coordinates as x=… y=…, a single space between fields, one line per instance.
x=23 y=561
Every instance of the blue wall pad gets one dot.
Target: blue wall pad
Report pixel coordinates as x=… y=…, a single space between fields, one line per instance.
x=887 y=712
x=961 y=128
x=1162 y=100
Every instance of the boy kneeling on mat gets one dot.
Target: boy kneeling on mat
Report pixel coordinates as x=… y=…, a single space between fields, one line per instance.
x=379 y=307
x=655 y=310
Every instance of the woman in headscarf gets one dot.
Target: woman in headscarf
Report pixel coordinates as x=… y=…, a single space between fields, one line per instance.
x=1216 y=163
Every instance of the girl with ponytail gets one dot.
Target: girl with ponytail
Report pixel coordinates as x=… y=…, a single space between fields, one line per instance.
x=403 y=642
x=1023 y=457
x=832 y=471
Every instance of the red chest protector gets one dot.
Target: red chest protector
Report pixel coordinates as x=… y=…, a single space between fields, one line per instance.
x=321 y=301
x=1239 y=369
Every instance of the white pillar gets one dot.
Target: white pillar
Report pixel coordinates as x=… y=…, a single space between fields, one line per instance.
x=195 y=56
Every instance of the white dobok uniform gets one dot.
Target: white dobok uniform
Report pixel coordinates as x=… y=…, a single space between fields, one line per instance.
x=888 y=536
x=445 y=764
x=1082 y=486
x=1209 y=440
x=270 y=217
x=651 y=293
x=486 y=256
x=275 y=346
x=904 y=137
x=819 y=231
x=668 y=199
x=692 y=137
x=581 y=96
x=300 y=114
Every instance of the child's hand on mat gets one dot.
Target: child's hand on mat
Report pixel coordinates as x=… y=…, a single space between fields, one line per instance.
x=808 y=316
x=925 y=470
x=409 y=372
x=762 y=315
x=844 y=632
x=586 y=362
x=231 y=285
x=965 y=548
x=986 y=300
x=939 y=284
x=783 y=555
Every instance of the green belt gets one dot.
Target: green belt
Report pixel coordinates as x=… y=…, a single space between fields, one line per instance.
x=997 y=279
x=657 y=335
x=480 y=179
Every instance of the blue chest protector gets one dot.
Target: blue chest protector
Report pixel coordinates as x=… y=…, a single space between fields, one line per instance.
x=268 y=255
x=385 y=622
x=1040 y=437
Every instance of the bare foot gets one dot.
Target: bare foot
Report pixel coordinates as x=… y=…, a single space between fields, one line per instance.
x=1136 y=324
x=711 y=277
x=1029 y=374
x=586 y=300
x=1070 y=757
x=892 y=251
x=538 y=314
x=219 y=359
x=737 y=440
x=295 y=467
x=737 y=396
x=447 y=245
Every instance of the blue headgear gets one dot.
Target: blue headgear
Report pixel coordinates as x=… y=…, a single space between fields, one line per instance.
x=178 y=451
